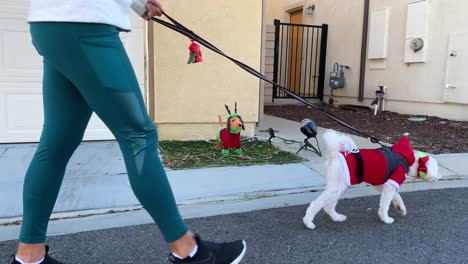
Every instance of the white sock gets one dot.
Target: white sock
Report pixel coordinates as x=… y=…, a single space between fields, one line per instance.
x=23 y=262
x=194 y=251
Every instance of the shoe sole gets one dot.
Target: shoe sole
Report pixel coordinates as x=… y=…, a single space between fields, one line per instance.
x=241 y=256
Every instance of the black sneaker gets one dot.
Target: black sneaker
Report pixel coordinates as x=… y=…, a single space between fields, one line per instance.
x=47 y=260
x=215 y=253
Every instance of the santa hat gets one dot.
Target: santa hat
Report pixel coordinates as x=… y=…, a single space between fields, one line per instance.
x=403 y=147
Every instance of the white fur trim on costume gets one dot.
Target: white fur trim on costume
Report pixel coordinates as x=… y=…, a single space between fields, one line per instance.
x=346 y=175
x=393 y=183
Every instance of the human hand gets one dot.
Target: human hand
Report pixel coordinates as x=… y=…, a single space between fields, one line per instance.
x=153 y=8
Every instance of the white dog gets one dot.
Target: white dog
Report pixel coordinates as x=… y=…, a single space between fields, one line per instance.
x=385 y=168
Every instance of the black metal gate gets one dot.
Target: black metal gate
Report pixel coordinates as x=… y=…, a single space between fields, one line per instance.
x=299 y=59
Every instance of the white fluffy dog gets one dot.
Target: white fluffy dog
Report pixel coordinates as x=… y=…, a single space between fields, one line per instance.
x=385 y=168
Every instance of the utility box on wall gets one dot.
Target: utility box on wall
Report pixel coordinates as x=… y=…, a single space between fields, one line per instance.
x=378 y=34
x=456 y=80
x=417 y=28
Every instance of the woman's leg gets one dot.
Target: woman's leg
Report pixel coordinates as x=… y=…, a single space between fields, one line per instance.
x=93 y=58
x=66 y=116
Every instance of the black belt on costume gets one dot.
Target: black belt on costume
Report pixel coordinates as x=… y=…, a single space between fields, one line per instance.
x=360 y=167
x=393 y=161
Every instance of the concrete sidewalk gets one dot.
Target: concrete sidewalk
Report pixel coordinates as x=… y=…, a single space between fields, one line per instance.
x=96 y=185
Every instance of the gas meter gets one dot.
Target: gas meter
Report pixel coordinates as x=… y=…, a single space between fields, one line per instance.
x=337 y=79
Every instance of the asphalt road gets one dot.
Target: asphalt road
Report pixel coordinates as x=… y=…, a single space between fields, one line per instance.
x=434 y=231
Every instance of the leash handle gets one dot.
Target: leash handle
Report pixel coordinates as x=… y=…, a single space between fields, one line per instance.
x=178 y=27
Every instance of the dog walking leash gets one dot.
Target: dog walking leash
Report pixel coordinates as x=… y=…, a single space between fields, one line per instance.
x=178 y=27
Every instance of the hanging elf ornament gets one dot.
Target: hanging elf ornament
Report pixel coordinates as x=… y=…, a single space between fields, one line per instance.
x=229 y=135
x=195 y=53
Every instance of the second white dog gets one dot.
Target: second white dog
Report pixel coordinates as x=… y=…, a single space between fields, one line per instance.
x=385 y=168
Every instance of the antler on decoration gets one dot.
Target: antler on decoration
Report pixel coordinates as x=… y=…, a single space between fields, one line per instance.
x=227 y=108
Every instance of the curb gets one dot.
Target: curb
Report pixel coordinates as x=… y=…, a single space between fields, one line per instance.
x=81 y=221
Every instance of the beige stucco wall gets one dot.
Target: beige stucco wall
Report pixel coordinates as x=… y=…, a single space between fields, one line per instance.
x=420 y=85
x=189 y=98
x=416 y=88
x=274 y=9
x=344 y=19
x=278 y=9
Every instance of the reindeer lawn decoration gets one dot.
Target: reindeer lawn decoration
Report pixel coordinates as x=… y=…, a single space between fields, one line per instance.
x=229 y=135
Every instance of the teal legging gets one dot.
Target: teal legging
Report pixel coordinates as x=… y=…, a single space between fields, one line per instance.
x=86 y=70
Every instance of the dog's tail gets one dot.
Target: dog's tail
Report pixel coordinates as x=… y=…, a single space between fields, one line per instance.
x=338 y=143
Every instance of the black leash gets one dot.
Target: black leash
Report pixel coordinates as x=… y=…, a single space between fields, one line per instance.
x=176 y=26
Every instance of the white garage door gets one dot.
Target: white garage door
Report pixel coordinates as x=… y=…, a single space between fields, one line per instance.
x=21 y=114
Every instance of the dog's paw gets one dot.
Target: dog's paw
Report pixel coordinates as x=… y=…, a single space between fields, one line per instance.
x=309 y=224
x=401 y=210
x=384 y=217
x=339 y=218
x=387 y=220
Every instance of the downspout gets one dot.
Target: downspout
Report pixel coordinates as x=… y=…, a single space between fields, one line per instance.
x=362 y=73
x=261 y=104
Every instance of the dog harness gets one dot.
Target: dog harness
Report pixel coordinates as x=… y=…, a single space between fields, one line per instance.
x=377 y=166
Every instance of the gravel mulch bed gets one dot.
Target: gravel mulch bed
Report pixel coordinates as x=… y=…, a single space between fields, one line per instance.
x=434 y=135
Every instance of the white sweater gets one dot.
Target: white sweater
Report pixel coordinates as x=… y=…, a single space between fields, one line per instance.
x=112 y=12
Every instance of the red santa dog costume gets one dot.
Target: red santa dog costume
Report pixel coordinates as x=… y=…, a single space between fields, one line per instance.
x=377 y=166
x=386 y=168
